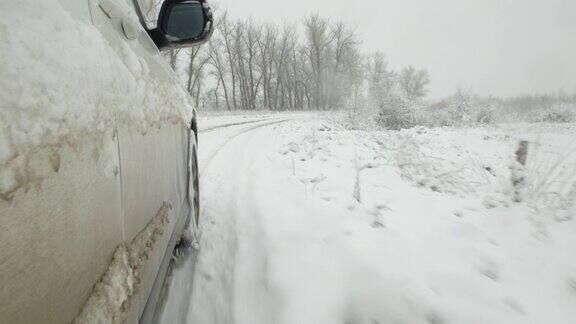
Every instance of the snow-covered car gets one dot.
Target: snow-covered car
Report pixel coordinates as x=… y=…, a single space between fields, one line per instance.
x=98 y=173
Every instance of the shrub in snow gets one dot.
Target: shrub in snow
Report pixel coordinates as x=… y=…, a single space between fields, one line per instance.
x=399 y=112
x=395 y=113
x=462 y=109
x=557 y=114
x=485 y=114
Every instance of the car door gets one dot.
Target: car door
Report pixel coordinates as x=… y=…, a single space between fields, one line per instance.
x=153 y=146
x=60 y=221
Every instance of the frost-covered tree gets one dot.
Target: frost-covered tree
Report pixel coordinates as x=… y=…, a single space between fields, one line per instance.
x=345 y=62
x=317 y=49
x=261 y=65
x=413 y=82
x=381 y=80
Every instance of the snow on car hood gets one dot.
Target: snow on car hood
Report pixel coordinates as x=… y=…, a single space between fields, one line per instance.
x=61 y=82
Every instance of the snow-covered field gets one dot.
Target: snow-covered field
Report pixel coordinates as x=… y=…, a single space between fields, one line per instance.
x=305 y=222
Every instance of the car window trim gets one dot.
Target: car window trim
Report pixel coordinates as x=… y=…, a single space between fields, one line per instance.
x=139 y=14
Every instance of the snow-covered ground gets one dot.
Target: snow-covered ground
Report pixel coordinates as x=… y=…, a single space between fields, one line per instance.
x=305 y=222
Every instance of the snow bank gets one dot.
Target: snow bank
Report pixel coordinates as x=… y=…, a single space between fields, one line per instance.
x=62 y=83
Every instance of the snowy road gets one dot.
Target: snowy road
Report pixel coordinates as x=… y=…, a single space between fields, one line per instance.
x=305 y=222
x=227 y=147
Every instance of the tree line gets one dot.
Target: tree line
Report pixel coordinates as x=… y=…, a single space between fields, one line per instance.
x=317 y=64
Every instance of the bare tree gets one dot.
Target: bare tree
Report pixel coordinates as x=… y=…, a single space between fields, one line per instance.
x=413 y=82
x=216 y=59
x=246 y=37
x=318 y=42
x=226 y=31
x=197 y=62
x=344 y=64
x=249 y=65
x=381 y=80
x=267 y=47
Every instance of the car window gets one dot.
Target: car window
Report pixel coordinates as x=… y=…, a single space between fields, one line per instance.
x=180 y=25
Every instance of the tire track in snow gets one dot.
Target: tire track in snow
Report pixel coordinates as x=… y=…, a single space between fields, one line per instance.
x=217 y=127
x=202 y=289
x=205 y=162
x=222 y=243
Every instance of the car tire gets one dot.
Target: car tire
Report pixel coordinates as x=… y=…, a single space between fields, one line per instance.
x=190 y=232
x=195 y=184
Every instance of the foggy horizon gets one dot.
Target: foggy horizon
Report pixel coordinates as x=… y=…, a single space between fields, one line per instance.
x=491 y=48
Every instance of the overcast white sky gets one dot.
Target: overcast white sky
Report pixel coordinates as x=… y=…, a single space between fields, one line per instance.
x=499 y=47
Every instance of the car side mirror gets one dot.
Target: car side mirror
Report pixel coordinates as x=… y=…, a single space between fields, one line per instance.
x=183 y=23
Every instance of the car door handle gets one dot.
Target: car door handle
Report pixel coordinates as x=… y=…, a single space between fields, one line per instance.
x=116 y=9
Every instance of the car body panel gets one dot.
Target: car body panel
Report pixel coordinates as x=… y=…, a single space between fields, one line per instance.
x=51 y=261
x=90 y=192
x=153 y=163
x=165 y=152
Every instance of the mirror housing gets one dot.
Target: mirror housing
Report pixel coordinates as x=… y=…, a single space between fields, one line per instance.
x=183 y=23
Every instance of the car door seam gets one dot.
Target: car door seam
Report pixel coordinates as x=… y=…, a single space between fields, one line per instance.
x=121 y=180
